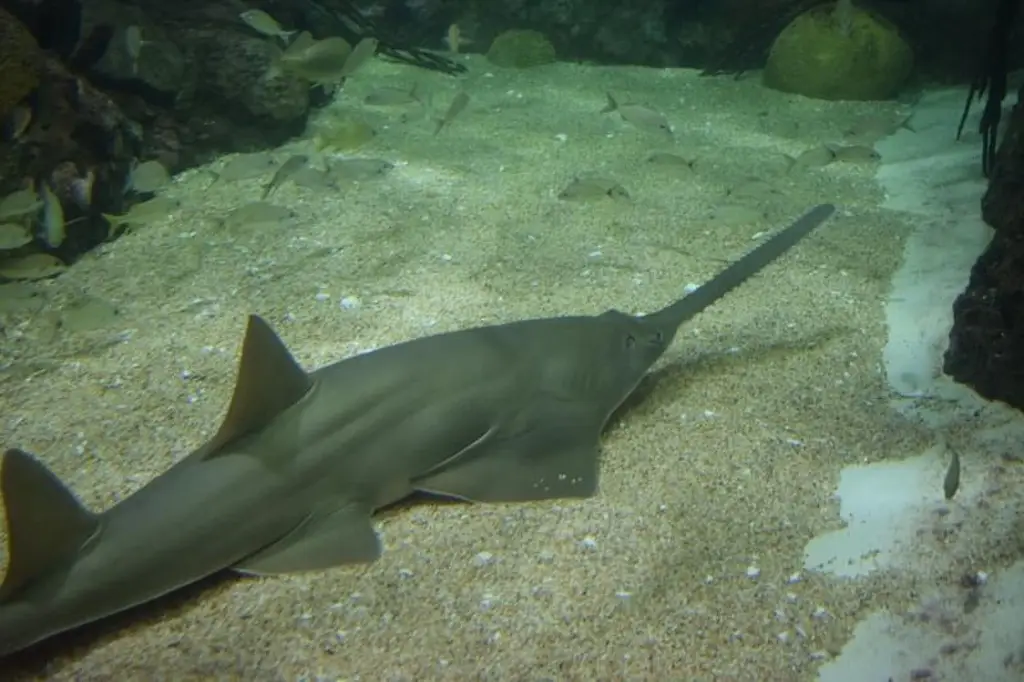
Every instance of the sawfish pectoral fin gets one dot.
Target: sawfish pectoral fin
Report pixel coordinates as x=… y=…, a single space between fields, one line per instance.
x=553 y=455
x=46 y=523
x=343 y=536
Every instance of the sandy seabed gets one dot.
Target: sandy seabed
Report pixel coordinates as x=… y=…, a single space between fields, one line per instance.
x=689 y=564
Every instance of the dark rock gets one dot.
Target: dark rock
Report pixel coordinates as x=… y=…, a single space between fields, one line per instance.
x=81 y=144
x=202 y=85
x=237 y=71
x=986 y=344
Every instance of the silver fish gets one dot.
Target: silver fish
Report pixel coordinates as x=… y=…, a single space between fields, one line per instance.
x=364 y=50
x=454 y=109
x=19 y=203
x=257 y=213
x=287 y=169
x=639 y=116
x=13 y=236
x=591 y=187
x=144 y=212
x=148 y=176
x=244 y=167
x=854 y=153
x=53 y=218
x=261 y=22
x=323 y=62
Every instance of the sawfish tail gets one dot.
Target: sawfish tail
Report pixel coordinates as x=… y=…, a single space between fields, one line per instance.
x=675 y=314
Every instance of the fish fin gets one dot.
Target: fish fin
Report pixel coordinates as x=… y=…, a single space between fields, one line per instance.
x=612 y=104
x=45 y=521
x=343 y=536
x=302 y=41
x=269 y=382
x=554 y=456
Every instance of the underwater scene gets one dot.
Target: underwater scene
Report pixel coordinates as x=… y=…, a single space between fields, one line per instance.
x=411 y=340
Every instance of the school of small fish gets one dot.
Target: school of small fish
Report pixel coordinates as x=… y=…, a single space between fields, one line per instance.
x=35 y=215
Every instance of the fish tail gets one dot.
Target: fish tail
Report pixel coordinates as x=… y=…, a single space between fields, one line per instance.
x=45 y=521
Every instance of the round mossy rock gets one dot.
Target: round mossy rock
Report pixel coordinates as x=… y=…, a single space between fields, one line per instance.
x=814 y=56
x=521 y=49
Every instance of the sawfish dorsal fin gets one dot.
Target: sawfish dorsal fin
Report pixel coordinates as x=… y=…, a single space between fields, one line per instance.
x=269 y=382
x=45 y=521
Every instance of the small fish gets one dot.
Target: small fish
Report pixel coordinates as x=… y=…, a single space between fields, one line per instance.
x=854 y=153
x=313 y=178
x=392 y=97
x=244 y=167
x=13 y=236
x=149 y=211
x=17 y=122
x=261 y=22
x=323 y=62
x=343 y=133
x=133 y=44
x=287 y=169
x=454 y=109
x=639 y=116
x=358 y=169
x=873 y=128
x=148 y=176
x=54 y=230
x=257 y=213
x=19 y=203
x=364 y=50
x=952 y=481
x=454 y=39
x=32 y=267
x=591 y=187
x=87 y=313
x=815 y=157
x=674 y=163
x=302 y=41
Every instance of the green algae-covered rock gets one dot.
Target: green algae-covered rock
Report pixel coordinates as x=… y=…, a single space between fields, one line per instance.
x=822 y=55
x=521 y=49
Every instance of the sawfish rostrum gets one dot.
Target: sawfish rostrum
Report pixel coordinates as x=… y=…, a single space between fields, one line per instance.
x=301 y=461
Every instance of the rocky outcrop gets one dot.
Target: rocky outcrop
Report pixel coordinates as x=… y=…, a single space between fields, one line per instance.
x=77 y=141
x=90 y=87
x=197 y=88
x=986 y=344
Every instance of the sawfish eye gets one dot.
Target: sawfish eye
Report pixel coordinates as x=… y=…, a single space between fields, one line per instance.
x=630 y=340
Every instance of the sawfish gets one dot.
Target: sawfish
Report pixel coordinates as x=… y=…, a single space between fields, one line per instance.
x=302 y=460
